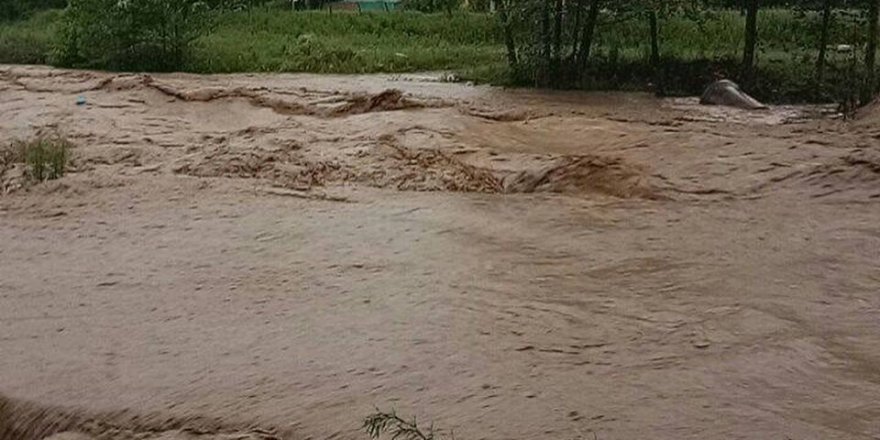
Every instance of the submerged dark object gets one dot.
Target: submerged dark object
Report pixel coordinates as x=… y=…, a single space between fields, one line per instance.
x=727 y=92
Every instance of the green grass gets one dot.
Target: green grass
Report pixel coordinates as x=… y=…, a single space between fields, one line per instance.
x=264 y=40
x=273 y=41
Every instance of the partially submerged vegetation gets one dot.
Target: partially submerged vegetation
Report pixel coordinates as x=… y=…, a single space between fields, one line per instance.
x=675 y=51
x=46 y=158
x=390 y=424
x=43 y=158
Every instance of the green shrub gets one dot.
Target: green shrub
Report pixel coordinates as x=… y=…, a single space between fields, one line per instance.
x=154 y=35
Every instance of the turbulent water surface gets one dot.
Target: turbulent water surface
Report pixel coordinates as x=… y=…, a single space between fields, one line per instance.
x=255 y=257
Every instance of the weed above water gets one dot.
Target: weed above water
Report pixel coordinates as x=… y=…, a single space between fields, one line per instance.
x=45 y=158
x=398 y=428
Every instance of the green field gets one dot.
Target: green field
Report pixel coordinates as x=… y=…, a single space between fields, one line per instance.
x=264 y=40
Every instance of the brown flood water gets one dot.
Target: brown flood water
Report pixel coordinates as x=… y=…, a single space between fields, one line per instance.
x=273 y=256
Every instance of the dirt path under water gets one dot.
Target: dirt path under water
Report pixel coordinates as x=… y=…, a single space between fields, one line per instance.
x=256 y=257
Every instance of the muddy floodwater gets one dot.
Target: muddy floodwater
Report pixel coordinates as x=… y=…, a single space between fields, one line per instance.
x=275 y=256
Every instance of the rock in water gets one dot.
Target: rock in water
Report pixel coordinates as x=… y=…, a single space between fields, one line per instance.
x=726 y=92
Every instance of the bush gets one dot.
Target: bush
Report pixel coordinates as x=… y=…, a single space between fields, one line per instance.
x=154 y=35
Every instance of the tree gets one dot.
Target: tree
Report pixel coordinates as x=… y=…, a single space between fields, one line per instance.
x=751 y=45
x=654 y=27
x=507 y=28
x=870 y=85
x=587 y=33
x=550 y=42
x=655 y=11
x=546 y=53
x=823 y=41
x=557 y=39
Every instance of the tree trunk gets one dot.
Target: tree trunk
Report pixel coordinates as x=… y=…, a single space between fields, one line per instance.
x=748 y=67
x=655 y=38
x=587 y=35
x=655 y=51
x=545 y=44
x=870 y=85
x=576 y=35
x=557 y=38
x=509 y=42
x=823 y=43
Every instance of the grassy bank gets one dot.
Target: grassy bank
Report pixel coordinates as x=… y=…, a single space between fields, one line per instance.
x=273 y=41
x=264 y=40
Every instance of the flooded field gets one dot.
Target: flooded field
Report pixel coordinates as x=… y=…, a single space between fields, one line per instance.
x=275 y=256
